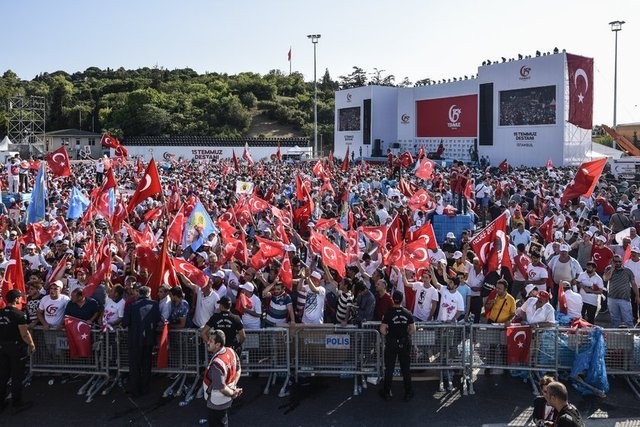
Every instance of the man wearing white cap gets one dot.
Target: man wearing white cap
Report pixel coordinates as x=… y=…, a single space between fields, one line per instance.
x=314 y=303
x=633 y=264
x=252 y=314
x=36 y=260
x=558 y=237
x=52 y=306
x=449 y=245
x=564 y=268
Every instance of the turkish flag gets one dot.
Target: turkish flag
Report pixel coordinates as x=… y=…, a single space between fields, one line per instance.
x=109 y=141
x=585 y=180
x=162 y=362
x=58 y=162
x=242 y=212
x=94 y=280
x=546 y=229
x=406 y=188
x=163 y=273
x=425 y=170
x=192 y=272
x=331 y=255
x=562 y=300
x=416 y=253
x=39 y=234
x=580 y=91
x=243 y=302
x=78 y=337
x=289 y=55
x=281 y=233
x=377 y=234
x=345 y=162
x=236 y=165
x=300 y=194
x=394 y=233
x=504 y=166
x=62 y=225
x=146 y=257
x=627 y=254
x=491 y=244
x=110 y=181
x=119 y=215
x=427 y=231
x=256 y=204
x=246 y=155
x=14 y=274
x=278 y=153
x=518 y=344
x=259 y=260
x=286 y=274
x=318 y=170
x=142 y=238
x=153 y=214
x=139 y=166
x=149 y=186
x=270 y=248
x=58 y=269
x=406 y=159
x=419 y=200
x=326 y=223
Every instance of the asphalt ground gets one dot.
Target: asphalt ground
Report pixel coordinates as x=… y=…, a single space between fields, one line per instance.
x=498 y=400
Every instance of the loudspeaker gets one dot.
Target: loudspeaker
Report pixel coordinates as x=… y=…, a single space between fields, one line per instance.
x=377 y=150
x=485 y=115
x=366 y=125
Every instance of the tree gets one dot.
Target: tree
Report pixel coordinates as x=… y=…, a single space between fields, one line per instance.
x=377 y=78
x=357 y=78
x=326 y=84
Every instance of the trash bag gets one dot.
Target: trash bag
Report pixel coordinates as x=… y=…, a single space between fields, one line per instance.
x=590 y=362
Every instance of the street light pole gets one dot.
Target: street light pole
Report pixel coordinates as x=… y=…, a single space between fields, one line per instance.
x=615 y=27
x=314 y=39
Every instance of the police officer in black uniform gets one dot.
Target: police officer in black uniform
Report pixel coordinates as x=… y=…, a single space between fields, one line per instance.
x=397 y=327
x=227 y=322
x=15 y=339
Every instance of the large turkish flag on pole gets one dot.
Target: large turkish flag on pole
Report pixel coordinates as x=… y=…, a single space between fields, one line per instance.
x=580 y=91
x=585 y=181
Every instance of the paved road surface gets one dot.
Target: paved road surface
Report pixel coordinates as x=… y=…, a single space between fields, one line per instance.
x=499 y=400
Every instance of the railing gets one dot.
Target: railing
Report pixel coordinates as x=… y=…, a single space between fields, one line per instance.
x=327 y=350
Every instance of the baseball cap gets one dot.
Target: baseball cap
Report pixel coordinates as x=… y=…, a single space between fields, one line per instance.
x=457 y=255
x=558 y=235
x=602 y=239
x=530 y=287
x=316 y=275
x=564 y=247
x=566 y=284
x=226 y=301
x=57 y=283
x=31 y=246
x=13 y=295
x=635 y=249
x=397 y=297
x=450 y=235
x=248 y=286
x=544 y=296
x=219 y=274
x=203 y=254
x=290 y=248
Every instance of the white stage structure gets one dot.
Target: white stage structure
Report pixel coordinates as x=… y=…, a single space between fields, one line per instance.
x=516 y=110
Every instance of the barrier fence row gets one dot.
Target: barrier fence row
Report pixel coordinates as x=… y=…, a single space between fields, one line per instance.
x=323 y=350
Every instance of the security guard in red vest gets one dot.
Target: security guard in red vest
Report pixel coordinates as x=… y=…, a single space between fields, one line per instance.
x=220 y=379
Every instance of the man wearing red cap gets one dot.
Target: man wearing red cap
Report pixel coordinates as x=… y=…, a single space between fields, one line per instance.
x=537 y=311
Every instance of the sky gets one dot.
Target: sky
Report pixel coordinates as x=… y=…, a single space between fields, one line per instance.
x=406 y=38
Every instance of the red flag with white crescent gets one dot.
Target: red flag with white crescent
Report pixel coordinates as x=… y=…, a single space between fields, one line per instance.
x=78 y=337
x=518 y=344
x=58 y=162
x=192 y=272
x=147 y=187
x=491 y=245
x=377 y=234
x=419 y=200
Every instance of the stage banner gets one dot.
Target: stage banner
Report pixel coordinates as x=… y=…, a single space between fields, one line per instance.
x=447 y=117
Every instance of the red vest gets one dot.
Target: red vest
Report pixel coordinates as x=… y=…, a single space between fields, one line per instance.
x=226 y=361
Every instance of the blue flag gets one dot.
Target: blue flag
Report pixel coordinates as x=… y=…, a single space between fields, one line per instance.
x=78 y=203
x=198 y=227
x=35 y=212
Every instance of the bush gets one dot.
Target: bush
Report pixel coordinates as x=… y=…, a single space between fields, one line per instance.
x=249 y=100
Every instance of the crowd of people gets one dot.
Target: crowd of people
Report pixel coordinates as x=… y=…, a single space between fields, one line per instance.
x=581 y=258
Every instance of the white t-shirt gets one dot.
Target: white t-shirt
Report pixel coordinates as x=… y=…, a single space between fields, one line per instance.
x=252 y=322
x=537 y=272
x=314 y=306
x=574 y=303
x=450 y=304
x=424 y=298
x=589 y=282
x=205 y=306
x=53 y=309
x=113 y=311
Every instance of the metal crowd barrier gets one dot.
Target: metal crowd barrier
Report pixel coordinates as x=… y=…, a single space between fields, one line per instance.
x=186 y=358
x=267 y=351
x=337 y=350
x=623 y=355
x=52 y=357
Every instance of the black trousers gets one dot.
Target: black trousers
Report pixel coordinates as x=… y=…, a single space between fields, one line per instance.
x=402 y=352
x=12 y=364
x=139 y=369
x=218 y=417
x=589 y=312
x=476 y=308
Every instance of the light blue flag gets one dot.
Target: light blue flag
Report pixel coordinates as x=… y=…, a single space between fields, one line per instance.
x=198 y=227
x=78 y=203
x=36 y=209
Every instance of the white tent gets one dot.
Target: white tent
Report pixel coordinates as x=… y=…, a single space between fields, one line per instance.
x=4 y=144
x=599 y=150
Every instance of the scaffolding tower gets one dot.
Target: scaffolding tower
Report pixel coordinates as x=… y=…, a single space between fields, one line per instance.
x=27 y=116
